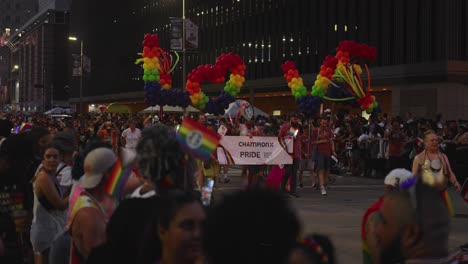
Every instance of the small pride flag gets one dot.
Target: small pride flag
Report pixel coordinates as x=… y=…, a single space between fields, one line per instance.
x=118 y=179
x=197 y=139
x=25 y=127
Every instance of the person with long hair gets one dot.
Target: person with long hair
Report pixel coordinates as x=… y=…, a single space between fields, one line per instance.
x=433 y=168
x=180 y=228
x=49 y=205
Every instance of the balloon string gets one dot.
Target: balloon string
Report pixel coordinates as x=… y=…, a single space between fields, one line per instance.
x=368 y=79
x=165 y=64
x=339 y=99
x=176 y=62
x=138 y=61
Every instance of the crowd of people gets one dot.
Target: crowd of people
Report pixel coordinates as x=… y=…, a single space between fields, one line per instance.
x=55 y=206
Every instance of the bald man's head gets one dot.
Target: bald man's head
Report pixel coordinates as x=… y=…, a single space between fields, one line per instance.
x=414 y=224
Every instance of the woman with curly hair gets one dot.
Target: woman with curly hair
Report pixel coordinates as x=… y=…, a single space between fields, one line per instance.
x=160 y=159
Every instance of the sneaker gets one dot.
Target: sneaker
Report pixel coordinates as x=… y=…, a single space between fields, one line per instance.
x=227 y=180
x=294 y=195
x=322 y=190
x=314 y=186
x=301 y=185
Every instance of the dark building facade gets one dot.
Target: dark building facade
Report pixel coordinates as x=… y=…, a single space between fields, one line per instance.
x=422 y=46
x=14 y=13
x=40 y=49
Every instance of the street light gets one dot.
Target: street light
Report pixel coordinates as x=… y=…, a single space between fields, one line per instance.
x=184 y=57
x=72 y=38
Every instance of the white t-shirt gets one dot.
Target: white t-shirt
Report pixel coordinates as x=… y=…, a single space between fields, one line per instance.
x=131 y=138
x=363 y=137
x=64 y=177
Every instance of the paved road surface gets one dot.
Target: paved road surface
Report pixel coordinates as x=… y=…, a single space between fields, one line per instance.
x=339 y=214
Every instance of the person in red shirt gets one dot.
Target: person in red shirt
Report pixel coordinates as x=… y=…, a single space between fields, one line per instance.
x=323 y=138
x=291 y=130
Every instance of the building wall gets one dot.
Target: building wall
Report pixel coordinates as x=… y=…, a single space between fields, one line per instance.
x=13 y=14
x=41 y=54
x=267 y=32
x=428 y=100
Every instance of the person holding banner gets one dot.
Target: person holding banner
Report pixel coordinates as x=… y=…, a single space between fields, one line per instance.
x=307 y=161
x=255 y=172
x=291 y=130
x=325 y=148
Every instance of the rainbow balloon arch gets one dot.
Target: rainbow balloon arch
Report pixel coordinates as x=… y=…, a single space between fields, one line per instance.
x=339 y=79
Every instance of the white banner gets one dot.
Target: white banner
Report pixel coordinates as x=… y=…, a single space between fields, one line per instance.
x=243 y=150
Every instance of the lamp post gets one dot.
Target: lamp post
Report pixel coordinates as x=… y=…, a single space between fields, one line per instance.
x=184 y=48
x=184 y=45
x=80 y=104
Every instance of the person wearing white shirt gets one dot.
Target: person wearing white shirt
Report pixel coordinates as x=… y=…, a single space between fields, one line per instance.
x=131 y=136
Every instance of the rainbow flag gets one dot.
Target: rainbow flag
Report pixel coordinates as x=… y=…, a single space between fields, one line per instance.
x=197 y=140
x=118 y=179
x=25 y=127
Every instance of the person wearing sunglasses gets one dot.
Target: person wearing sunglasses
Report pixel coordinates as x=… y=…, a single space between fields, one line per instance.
x=433 y=167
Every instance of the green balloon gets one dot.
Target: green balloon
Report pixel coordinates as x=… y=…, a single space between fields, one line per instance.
x=151 y=78
x=145 y=78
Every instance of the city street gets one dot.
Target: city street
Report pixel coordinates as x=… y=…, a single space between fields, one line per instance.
x=339 y=214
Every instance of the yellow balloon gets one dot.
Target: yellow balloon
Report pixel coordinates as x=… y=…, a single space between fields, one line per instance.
x=357 y=68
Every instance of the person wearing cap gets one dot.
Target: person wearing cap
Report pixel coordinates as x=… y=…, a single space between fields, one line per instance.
x=88 y=215
x=291 y=130
x=131 y=136
x=370 y=219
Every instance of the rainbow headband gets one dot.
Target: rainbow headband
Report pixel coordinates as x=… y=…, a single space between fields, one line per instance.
x=317 y=249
